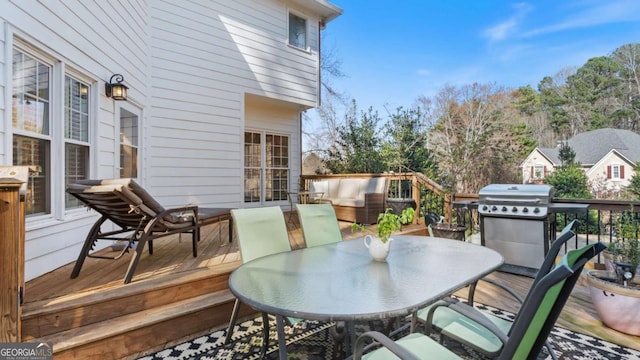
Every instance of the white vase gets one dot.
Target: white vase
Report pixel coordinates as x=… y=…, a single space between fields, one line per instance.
x=617 y=306
x=377 y=248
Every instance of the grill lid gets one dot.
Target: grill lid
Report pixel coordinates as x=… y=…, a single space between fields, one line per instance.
x=497 y=193
x=515 y=200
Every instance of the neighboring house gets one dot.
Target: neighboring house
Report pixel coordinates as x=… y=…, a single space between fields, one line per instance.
x=606 y=155
x=216 y=89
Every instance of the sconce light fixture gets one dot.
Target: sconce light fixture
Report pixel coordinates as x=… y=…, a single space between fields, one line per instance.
x=117 y=90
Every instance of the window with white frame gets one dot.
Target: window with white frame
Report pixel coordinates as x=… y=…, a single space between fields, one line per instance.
x=297 y=31
x=266 y=167
x=76 y=135
x=128 y=144
x=31 y=121
x=36 y=140
x=538 y=171
x=615 y=171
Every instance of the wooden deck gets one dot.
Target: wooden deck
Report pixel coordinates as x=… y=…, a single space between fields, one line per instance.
x=54 y=299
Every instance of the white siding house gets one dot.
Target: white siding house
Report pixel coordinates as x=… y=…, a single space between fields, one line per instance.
x=212 y=117
x=606 y=155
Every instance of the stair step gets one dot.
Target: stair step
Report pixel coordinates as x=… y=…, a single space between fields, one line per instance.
x=106 y=329
x=48 y=317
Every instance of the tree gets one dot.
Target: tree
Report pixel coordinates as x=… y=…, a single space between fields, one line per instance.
x=634 y=183
x=320 y=124
x=475 y=137
x=357 y=147
x=627 y=113
x=406 y=146
x=566 y=154
x=590 y=93
x=569 y=182
x=552 y=97
x=528 y=103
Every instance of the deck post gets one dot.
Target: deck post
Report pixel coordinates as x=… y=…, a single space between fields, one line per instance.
x=11 y=258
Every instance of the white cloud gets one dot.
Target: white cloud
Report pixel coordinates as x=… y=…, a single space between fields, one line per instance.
x=506 y=28
x=424 y=72
x=603 y=12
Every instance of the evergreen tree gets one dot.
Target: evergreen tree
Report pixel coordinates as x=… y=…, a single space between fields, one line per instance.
x=567 y=155
x=634 y=183
x=405 y=148
x=357 y=146
x=569 y=182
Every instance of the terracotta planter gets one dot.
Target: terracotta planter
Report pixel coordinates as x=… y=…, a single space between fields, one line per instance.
x=617 y=306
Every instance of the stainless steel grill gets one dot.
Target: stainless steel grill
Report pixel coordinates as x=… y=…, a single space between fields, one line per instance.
x=514 y=220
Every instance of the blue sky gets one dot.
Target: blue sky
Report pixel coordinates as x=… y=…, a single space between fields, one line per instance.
x=392 y=52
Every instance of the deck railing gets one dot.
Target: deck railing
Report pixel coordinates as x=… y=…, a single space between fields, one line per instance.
x=431 y=197
x=428 y=195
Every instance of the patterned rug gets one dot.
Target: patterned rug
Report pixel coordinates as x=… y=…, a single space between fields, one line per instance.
x=312 y=340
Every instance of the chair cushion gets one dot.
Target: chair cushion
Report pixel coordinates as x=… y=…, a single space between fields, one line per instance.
x=351 y=202
x=334 y=187
x=319 y=187
x=418 y=344
x=350 y=188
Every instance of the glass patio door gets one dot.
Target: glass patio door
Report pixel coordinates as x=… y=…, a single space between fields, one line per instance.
x=266 y=168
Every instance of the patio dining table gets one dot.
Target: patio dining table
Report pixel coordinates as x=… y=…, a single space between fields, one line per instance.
x=341 y=282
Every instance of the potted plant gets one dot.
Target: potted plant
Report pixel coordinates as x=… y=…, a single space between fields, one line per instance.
x=616 y=292
x=438 y=228
x=388 y=223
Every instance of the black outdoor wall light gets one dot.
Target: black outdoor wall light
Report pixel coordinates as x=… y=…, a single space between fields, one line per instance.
x=117 y=90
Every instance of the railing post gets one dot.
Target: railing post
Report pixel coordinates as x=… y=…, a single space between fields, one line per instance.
x=11 y=257
x=416 y=197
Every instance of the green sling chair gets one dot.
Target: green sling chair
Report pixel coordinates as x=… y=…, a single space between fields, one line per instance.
x=530 y=329
x=319 y=224
x=449 y=316
x=261 y=232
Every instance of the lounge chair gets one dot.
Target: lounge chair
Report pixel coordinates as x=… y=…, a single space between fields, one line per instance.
x=140 y=217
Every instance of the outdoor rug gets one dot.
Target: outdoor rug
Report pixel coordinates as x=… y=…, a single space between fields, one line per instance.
x=312 y=340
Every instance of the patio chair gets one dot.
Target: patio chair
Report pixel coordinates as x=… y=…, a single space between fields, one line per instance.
x=319 y=224
x=261 y=232
x=139 y=216
x=443 y=315
x=526 y=337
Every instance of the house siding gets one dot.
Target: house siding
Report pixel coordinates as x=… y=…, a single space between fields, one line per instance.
x=189 y=67
x=532 y=160
x=205 y=56
x=598 y=174
x=266 y=115
x=84 y=36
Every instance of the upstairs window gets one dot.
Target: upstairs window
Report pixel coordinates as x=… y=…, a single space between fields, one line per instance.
x=539 y=171
x=615 y=172
x=297 y=31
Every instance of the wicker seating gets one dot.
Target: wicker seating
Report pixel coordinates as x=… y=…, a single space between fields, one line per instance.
x=357 y=200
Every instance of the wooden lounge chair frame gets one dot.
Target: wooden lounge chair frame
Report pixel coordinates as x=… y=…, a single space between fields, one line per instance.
x=140 y=217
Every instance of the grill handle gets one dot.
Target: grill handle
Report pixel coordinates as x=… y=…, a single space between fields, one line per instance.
x=514 y=201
